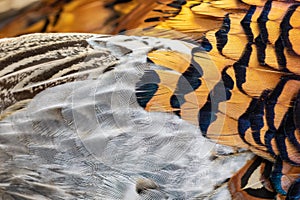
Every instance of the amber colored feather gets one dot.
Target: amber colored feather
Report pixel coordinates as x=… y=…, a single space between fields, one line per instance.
x=253 y=178
x=63 y=16
x=245 y=86
x=262 y=60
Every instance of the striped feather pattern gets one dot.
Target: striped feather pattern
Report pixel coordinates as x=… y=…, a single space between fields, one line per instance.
x=62 y=16
x=91 y=139
x=252 y=181
x=240 y=85
x=261 y=93
x=57 y=59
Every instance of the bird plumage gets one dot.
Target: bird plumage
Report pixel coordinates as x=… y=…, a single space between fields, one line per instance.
x=93 y=133
x=239 y=84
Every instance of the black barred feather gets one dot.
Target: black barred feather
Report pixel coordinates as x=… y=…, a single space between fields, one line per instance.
x=94 y=131
x=252 y=181
x=236 y=77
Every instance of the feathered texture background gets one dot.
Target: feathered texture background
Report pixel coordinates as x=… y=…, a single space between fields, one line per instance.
x=131 y=123
x=91 y=139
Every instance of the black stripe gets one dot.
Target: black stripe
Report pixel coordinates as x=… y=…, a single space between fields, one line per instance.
x=188 y=82
x=177 y=4
x=222 y=34
x=253 y=118
x=261 y=40
x=147 y=87
x=44 y=28
x=294 y=191
x=115 y=2
x=279 y=50
x=152 y=19
x=285 y=27
x=280 y=141
x=240 y=68
x=283 y=39
x=297 y=111
x=290 y=125
x=174 y=5
x=269 y=135
x=205 y=44
x=251 y=169
x=261 y=192
x=57 y=2
x=286 y=128
x=109 y=68
x=221 y=92
x=246 y=23
x=276 y=176
x=271 y=101
x=268 y=169
x=57 y=16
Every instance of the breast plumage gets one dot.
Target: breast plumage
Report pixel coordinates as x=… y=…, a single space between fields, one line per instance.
x=139 y=109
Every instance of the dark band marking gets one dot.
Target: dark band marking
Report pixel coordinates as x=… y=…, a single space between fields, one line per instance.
x=240 y=68
x=207 y=114
x=297 y=111
x=262 y=39
x=57 y=16
x=166 y=13
x=261 y=192
x=285 y=131
x=246 y=23
x=285 y=27
x=222 y=34
x=177 y=4
x=283 y=39
x=253 y=118
x=276 y=176
x=109 y=68
x=153 y=19
x=294 y=191
x=269 y=135
x=270 y=114
x=243 y=62
x=147 y=87
x=290 y=125
x=115 y=2
x=279 y=50
x=188 y=82
x=287 y=127
x=44 y=28
x=206 y=45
